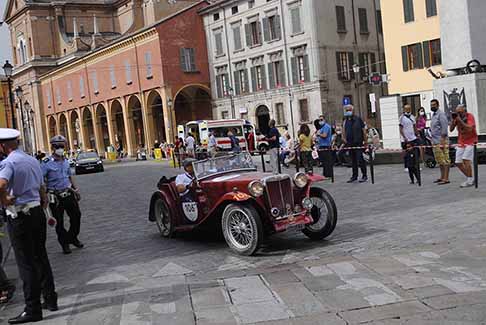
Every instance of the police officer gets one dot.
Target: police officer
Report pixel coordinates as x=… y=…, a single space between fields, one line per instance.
x=63 y=195
x=23 y=195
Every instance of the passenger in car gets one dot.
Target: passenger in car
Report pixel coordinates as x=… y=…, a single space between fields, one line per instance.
x=184 y=181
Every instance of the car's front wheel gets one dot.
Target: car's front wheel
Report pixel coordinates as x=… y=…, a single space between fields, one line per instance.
x=163 y=218
x=324 y=213
x=242 y=228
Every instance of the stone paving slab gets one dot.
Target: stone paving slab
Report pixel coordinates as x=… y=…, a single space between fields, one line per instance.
x=402 y=309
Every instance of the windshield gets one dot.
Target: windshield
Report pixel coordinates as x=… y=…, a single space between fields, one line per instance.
x=87 y=155
x=214 y=166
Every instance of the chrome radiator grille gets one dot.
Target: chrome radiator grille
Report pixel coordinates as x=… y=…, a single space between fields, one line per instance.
x=280 y=194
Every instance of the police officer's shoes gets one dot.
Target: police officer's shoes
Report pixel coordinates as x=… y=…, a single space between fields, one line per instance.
x=77 y=243
x=65 y=249
x=25 y=318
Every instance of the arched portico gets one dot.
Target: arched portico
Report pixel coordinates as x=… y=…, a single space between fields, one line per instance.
x=101 y=124
x=192 y=102
x=52 y=124
x=63 y=128
x=135 y=119
x=156 y=116
x=75 y=125
x=118 y=124
x=88 y=128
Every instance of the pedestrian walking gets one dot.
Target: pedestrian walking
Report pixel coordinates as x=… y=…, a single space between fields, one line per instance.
x=324 y=141
x=355 y=138
x=234 y=141
x=421 y=125
x=439 y=126
x=23 y=195
x=273 y=139
x=212 y=144
x=63 y=195
x=305 y=147
x=467 y=138
x=408 y=132
x=190 y=146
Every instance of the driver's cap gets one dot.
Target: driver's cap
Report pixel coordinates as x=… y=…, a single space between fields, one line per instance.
x=58 y=139
x=188 y=162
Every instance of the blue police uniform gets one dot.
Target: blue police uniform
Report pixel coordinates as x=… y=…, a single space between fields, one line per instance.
x=27 y=231
x=57 y=174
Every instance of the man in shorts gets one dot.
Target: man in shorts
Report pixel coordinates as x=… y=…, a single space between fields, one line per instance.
x=439 y=126
x=467 y=138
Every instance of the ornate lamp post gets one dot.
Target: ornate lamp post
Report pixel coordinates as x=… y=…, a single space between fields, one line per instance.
x=8 y=70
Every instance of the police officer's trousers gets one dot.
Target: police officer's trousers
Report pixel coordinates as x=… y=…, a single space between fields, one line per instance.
x=71 y=206
x=28 y=236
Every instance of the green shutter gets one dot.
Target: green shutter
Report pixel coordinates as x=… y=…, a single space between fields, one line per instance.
x=266 y=29
x=351 y=63
x=278 y=27
x=338 y=66
x=248 y=35
x=306 y=68
x=282 y=74
x=219 y=87
x=237 y=83
x=427 y=58
x=264 y=77
x=246 y=82
x=271 y=76
x=405 y=58
x=253 y=79
x=295 y=72
x=420 y=56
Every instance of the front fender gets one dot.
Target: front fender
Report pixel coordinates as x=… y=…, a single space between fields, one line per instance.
x=155 y=196
x=230 y=197
x=314 y=178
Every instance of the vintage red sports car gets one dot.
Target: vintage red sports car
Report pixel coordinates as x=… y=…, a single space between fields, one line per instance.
x=248 y=205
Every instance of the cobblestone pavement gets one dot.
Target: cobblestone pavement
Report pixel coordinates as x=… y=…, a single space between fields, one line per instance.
x=400 y=254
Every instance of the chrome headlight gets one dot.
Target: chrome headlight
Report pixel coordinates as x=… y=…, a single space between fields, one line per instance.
x=256 y=188
x=301 y=180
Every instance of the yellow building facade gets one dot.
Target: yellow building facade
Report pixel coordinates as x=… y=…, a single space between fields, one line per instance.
x=412 y=46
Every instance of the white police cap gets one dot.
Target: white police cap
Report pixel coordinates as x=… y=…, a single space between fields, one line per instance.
x=57 y=139
x=8 y=134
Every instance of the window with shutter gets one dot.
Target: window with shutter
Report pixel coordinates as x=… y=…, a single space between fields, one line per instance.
x=266 y=30
x=112 y=76
x=363 y=21
x=237 y=80
x=350 y=64
x=341 y=19
x=405 y=58
x=408 y=11
x=94 y=80
x=253 y=76
x=237 y=38
x=58 y=96
x=49 y=99
x=295 y=17
x=343 y=61
x=413 y=55
x=426 y=47
x=431 y=8
x=218 y=41
x=148 y=65
x=192 y=60
x=435 y=52
x=279 y=114
x=70 y=90
x=295 y=73
x=374 y=67
x=271 y=76
x=81 y=87
x=379 y=22
x=128 y=72
x=219 y=87
x=306 y=67
x=182 y=59
x=274 y=28
x=304 y=110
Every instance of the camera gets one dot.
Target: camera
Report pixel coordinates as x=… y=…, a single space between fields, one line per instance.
x=454 y=116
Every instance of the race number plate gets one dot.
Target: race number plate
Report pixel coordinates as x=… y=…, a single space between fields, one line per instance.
x=190 y=210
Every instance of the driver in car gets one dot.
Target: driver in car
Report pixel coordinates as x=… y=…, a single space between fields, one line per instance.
x=184 y=181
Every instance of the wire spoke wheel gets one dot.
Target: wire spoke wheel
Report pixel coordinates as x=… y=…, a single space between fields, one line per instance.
x=324 y=214
x=163 y=218
x=242 y=228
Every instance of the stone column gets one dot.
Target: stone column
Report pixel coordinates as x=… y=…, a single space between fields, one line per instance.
x=110 y=121
x=97 y=134
x=147 y=122
x=169 y=120
x=82 y=130
x=69 y=131
x=129 y=132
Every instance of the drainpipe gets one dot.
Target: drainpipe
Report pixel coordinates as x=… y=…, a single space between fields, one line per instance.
x=230 y=70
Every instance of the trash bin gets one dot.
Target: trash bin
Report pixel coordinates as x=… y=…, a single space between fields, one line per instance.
x=158 y=154
x=111 y=156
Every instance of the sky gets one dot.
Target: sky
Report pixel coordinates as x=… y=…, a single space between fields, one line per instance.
x=5 y=52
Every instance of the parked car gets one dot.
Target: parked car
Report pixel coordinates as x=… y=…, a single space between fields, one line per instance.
x=229 y=193
x=87 y=162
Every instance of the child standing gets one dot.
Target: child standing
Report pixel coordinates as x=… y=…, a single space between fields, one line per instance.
x=411 y=162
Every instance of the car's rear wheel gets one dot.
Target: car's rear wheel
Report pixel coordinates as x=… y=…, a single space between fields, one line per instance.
x=163 y=218
x=324 y=213
x=242 y=228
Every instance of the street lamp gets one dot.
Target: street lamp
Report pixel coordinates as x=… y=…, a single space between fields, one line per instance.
x=8 y=70
x=356 y=70
x=169 y=108
x=231 y=93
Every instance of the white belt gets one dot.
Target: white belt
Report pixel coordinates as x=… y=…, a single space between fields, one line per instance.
x=13 y=210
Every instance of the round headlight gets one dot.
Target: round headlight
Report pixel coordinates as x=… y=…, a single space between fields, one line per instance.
x=301 y=180
x=256 y=188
